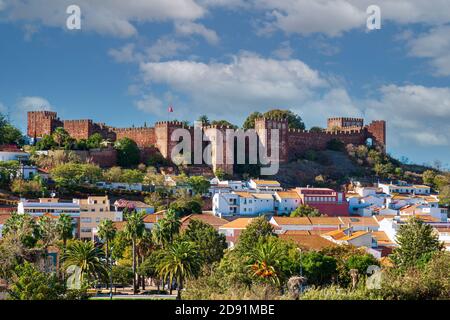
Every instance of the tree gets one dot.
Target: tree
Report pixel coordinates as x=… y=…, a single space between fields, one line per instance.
x=94 y=141
x=24 y=226
x=122 y=275
x=199 y=184
x=61 y=137
x=128 y=153
x=32 y=284
x=428 y=177
x=318 y=268
x=294 y=120
x=204 y=120
x=48 y=231
x=23 y=187
x=65 y=228
x=134 y=229
x=107 y=232
x=335 y=144
x=156 y=201
x=250 y=121
x=416 y=243
x=361 y=263
x=8 y=133
x=305 y=210
x=149 y=267
x=265 y=261
x=165 y=230
x=70 y=175
x=257 y=230
x=46 y=143
x=316 y=129
x=179 y=261
x=223 y=123
x=8 y=171
x=132 y=176
x=210 y=243
x=88 y=259
x=220 y=174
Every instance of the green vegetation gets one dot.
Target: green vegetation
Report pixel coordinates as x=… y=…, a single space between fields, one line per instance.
x=128 y=153
x=305 y=211
x=294 y=120
x=8 y=133
x=417 y=243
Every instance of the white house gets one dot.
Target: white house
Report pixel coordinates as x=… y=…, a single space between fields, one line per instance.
x=48 y=205
x=286 y=201
x=13 y=154
x=264 y=185
x=242 y=203
x=404 y=188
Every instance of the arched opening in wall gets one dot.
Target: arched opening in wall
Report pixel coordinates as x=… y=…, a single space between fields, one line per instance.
x=369 y=142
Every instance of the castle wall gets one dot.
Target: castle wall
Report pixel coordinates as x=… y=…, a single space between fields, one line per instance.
x=79 y=129
x=292 y=143
x=301 y=141
x=144 y=137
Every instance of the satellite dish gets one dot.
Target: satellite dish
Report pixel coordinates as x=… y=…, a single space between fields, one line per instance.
x=52 y=194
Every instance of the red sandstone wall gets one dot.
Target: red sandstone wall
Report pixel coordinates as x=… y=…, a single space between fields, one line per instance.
x=42 y=123
x=79 y=129
x=105 y=158
x=377 y=131
x=301 y=141
x=144 y=137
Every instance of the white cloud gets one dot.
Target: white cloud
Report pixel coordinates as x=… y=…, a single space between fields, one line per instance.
x=191 y=28
x=334 y=17
x=435 y=45
x=25 y=104
x=112 y=17
x=248 y=81
x=164 y=47
x=415 y=114
x=284 y=51
x=124 y=54
x=150 y=104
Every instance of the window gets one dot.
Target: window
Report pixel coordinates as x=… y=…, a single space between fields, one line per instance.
x=86 y=220
x=86 y=230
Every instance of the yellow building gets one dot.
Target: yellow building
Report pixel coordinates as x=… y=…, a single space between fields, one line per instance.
x=92 y=211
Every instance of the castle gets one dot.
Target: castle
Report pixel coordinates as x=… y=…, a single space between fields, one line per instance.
x=292 y=142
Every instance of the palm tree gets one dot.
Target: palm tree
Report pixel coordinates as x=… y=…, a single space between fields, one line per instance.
x=107 y=232
x=166 y=229
x=204 y=120
x=88 y=258
x=60 y=136
x=265 y=262
x=65 y=228
x=144 y=247
x=180 y=261
x=49 y=231
x=134 y=229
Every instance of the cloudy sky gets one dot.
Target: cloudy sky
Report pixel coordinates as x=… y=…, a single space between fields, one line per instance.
x=227 y=58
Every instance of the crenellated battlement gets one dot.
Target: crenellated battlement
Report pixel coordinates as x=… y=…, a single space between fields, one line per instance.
x=292 y=142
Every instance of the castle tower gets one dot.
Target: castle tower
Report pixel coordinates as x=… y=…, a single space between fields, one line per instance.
x=163 y=134
x=377 y=131
x=42 y=123
x=264 y=129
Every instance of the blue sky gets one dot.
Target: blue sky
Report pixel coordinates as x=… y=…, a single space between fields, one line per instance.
x=229 y=58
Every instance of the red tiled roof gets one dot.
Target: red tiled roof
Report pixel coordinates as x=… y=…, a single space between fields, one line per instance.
x=210 y=219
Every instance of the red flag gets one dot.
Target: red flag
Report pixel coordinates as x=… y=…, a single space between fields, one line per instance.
x=170 y=109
